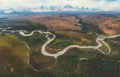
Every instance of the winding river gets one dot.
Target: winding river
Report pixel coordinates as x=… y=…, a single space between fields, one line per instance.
x=99 y=39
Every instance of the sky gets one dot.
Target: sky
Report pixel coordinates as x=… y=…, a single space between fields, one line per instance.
x=21 y=5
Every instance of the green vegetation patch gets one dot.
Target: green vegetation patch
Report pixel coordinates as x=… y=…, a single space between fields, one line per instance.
x=34 y=42
x=96 y=64
x=115 y=47
x=13 y=57
x=88 y=27
x=65 y=38
x=104 y=48
x=67 y=64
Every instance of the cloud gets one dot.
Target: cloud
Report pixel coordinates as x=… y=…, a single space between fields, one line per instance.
x=20 y=5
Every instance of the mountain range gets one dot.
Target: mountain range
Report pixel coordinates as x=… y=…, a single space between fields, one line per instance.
x=51 y=8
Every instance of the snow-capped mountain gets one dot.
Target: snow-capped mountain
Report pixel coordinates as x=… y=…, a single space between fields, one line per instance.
x=68 y=6
x=51 y=8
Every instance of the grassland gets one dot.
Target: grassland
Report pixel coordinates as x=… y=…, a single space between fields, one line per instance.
x=13 y=57
x=65 y=38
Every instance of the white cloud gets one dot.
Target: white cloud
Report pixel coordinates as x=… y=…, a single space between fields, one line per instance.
x=35 y=4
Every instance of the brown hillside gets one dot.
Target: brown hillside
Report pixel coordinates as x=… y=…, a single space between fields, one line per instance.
x=57 y=23
x=109 y=25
